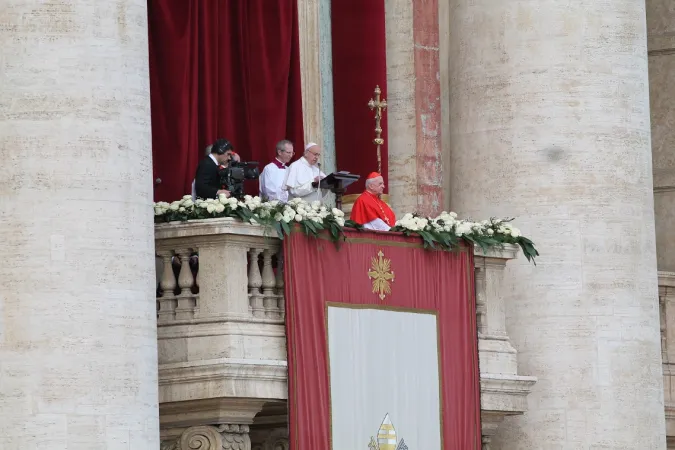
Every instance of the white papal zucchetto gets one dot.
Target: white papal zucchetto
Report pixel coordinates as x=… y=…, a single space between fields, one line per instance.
x=310 y=145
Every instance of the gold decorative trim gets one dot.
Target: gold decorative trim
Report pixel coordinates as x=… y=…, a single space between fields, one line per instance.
x=381 y=275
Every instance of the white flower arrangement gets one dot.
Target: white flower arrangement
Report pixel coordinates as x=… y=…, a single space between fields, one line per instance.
x=444 y=231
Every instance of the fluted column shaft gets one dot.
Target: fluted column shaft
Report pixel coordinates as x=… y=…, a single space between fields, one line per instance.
x=550 y=123
x=78 y=348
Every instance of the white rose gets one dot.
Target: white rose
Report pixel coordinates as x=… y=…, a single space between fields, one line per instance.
x=278 y=217
x=274 y=203
x=515 y=232
x=174 y=207
x=340 y=221
x=210 y=208
x=219 y=208
x=188 y=203
x=187 y=197
x=490 y=232
x=247 y=198
x=158 y=211
x=181 y=209
x=337 y=212
x=298 y=218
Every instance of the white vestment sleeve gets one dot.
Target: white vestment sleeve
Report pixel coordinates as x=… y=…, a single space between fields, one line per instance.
x=302 y=190
x=261 y=183
x=376 y=224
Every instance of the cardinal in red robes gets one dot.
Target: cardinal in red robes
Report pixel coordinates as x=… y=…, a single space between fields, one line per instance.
x=369 y=209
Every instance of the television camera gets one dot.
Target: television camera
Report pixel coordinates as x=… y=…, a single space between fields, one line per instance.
x=232 y=177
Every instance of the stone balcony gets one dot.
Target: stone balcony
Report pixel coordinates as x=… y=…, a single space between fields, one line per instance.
x=222 y=346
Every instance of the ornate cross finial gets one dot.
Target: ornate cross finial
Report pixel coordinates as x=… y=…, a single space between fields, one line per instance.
x=378 y=106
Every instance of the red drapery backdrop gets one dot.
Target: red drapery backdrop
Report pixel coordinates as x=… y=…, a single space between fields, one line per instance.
x=221 y=69
x=426 y=281
x=359 y=64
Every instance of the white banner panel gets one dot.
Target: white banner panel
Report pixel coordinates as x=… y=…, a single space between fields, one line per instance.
x=384 y=379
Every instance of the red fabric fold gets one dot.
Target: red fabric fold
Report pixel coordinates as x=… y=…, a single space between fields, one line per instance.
x=221 y=69
x=359 y=48
x=317 y=276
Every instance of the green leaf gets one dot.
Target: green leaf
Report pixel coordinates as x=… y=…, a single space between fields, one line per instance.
x=278 y=228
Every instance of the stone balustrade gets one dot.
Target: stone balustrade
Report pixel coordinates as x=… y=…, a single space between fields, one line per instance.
x=221 y=336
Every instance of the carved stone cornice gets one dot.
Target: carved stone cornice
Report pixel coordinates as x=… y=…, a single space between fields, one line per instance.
x=226 y=377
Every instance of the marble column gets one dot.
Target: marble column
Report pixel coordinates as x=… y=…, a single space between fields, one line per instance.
x=78 y=346
x=549 y=122
x=314 y=25
x=414 y=106
x=661 y=44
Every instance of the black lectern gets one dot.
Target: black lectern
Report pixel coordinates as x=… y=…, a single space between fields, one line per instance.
x=337 y=182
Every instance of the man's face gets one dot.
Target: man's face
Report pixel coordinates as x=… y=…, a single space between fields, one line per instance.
x=376 y=186
x=224 y=159
x=313 y=154
x=286 y=154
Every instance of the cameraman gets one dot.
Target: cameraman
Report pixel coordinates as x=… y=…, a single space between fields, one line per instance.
x=207 y=180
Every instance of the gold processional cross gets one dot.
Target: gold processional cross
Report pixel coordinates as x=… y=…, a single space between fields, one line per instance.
x=378 y=106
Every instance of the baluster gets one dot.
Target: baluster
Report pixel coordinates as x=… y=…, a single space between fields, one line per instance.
x=167 y=302
x=268 y=285
x=185 y=278
x=281 y=304
x=186 y=302
x=254 y=284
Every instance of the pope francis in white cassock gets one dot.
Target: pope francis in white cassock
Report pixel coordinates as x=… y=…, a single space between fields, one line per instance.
x=302 y=179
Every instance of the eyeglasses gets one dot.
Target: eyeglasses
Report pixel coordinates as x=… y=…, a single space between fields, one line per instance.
x=315 y=154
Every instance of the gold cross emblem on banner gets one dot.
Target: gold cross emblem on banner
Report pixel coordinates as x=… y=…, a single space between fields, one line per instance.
x=381 y=274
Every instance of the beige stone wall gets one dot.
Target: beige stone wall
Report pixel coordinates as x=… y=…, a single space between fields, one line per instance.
x=661 y=29
x=78 y=343
x=550 y=123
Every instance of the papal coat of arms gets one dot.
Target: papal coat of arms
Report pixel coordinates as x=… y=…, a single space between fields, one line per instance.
x=386 y=438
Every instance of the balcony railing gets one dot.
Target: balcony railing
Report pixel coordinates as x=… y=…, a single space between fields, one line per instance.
x=221 y=339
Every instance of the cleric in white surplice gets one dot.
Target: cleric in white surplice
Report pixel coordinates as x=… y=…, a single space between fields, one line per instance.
x=302 y=179
x=274 y=174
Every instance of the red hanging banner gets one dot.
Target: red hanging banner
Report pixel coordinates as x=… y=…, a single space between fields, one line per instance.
x=382 y=344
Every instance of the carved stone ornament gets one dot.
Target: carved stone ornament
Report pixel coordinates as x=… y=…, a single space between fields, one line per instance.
x=221 y=437
x=276 y=439
x=201 y=438
x=235 y=437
